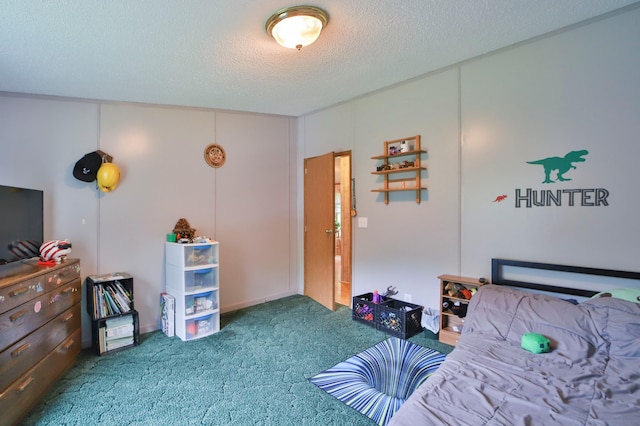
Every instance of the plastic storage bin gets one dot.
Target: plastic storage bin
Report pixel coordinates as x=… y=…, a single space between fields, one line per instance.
x=197 y=280
x=201 y=326
x=199 y=303
x=191 y=255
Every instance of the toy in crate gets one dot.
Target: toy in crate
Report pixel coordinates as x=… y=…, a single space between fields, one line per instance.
x=364 y=305
x=398 y=318
x=364 y=308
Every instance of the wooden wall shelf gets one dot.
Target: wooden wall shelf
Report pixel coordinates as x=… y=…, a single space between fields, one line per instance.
x=407 y=171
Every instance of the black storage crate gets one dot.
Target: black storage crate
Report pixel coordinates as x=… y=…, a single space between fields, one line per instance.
x=364 y=310
x=98 y=324
x=398 y=318
x=100 y=281
x=96 y=288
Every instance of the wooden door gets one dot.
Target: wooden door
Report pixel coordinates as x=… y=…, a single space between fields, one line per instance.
x=319 y=207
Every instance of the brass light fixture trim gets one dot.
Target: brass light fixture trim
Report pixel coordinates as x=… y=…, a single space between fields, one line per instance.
x=317 y=20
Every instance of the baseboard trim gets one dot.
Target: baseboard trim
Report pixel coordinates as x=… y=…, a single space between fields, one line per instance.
x=254 y=302
x=148 y=328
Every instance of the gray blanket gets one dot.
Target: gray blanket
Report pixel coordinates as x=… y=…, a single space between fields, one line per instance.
x=591 y=376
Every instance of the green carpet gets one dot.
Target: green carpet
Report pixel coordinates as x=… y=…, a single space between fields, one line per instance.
x=253 y=372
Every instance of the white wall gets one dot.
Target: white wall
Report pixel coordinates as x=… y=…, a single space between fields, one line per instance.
x=480 y=122
x=408 y=245
x=248 y=204
x=576 y=91
x=40 y=141
x=572 y=90
x=256 y=214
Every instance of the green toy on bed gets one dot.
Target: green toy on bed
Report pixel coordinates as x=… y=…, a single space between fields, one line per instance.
x=534 y=342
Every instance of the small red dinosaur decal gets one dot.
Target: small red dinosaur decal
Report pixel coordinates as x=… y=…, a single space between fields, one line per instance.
x=500 y=198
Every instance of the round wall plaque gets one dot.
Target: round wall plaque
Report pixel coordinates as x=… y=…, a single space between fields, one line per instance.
x=214 y=155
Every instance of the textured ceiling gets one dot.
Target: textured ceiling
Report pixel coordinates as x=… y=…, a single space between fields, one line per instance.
x=216 y=54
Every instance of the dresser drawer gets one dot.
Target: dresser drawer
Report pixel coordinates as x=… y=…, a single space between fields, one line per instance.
x=22 y=320
x=24 y=393
x=17 y=294
x=62 y=276
x=26 y=353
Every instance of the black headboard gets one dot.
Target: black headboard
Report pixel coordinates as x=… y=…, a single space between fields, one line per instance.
x=497 y=276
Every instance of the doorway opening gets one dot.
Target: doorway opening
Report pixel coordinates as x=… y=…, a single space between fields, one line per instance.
x=329 y=209
x=344 y=211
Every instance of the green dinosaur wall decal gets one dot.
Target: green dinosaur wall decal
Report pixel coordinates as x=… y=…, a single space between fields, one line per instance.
x=561 y=164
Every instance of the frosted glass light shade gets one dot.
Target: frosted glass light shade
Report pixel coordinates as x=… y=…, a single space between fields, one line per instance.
x=298 y=26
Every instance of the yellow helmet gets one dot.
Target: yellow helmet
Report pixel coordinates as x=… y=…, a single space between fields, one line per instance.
x=108 y=177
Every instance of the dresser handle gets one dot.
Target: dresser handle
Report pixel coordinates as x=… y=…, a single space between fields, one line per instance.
x=15 y=317
x=68 y=290
x=68 y=317
x=18 y=292
x=19 y=351
x=65 y=274
x=24 y=384
x=68 y=344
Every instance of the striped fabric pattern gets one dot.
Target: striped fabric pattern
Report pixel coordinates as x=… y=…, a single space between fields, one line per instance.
x=377 y=382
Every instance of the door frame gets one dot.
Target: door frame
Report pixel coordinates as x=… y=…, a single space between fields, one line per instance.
x=348 y=213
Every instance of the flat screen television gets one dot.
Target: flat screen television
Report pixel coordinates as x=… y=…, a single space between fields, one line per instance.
x=21 y=224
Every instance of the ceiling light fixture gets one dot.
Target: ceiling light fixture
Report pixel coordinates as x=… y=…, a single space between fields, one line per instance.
x=297 y=26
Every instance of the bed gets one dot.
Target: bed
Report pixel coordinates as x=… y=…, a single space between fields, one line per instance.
x=590 y=376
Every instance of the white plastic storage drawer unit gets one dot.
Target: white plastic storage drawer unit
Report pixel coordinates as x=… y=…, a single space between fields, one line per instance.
x=192 y=278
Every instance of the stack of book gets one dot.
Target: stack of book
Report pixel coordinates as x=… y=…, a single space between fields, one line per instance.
x=110 y=298
x=116 y=333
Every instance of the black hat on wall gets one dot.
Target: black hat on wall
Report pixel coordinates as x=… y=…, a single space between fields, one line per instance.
x=87 y=167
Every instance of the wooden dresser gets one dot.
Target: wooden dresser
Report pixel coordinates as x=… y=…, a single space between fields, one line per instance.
x=40 y=335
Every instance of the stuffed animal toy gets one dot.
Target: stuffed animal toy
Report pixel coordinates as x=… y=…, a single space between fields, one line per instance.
x=183 y=229
x=534 y=342
x=466 y=293
x=453 y=289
